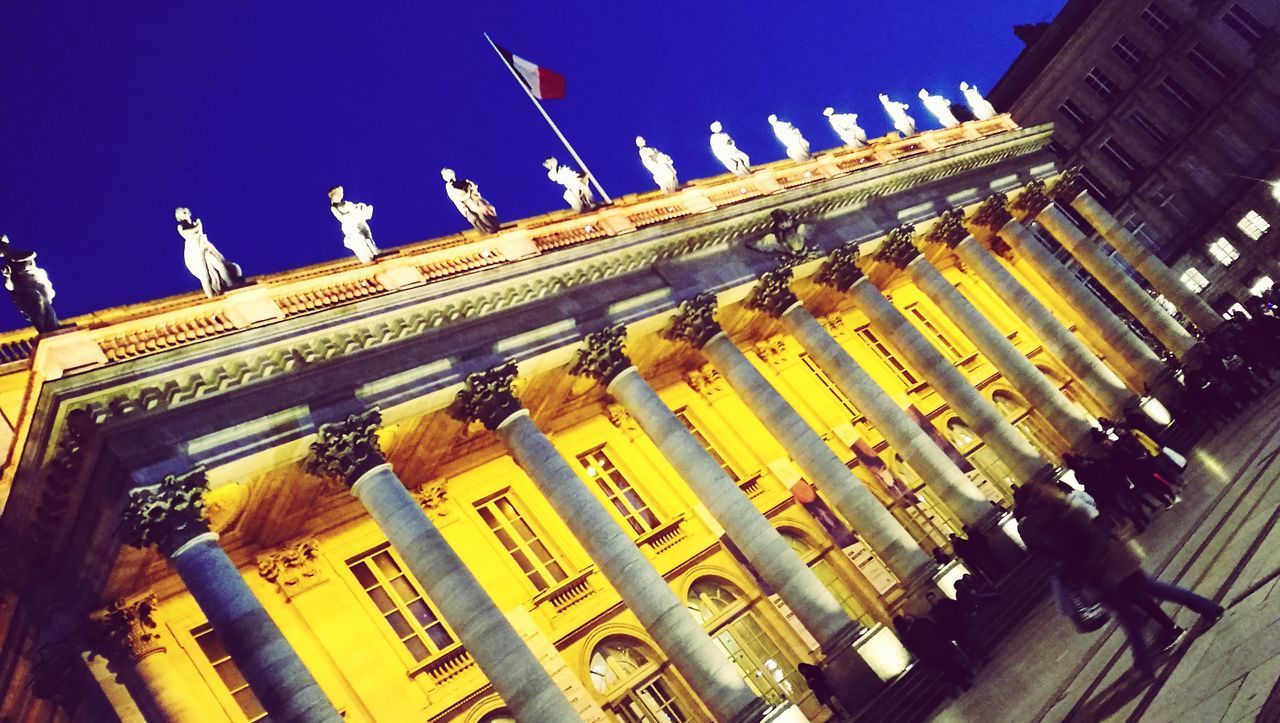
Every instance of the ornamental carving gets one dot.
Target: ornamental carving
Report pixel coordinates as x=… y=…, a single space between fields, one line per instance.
x=167 y=514
x=1031 y=201
x=695 y=321
x=992 y=212
x=705 y=380
x=487 y=397
x=772 y=295
x=834 y=324
x=431 y=497
x=619 y=417
x=949 y=229
x=899 y=247
x=125 y=632
x=840 y=271
x=1069 y=185
x=786 y=238
x=293 y=568
x=344 y=451
x=603 y=355
x=774 y=352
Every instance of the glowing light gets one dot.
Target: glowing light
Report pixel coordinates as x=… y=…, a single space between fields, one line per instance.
x=1261 y=285
x=1156 y=411
x=1275 y=190
x=946 y=579
x=884 y=654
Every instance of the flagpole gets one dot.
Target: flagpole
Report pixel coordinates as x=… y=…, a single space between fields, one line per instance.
x=581 y=164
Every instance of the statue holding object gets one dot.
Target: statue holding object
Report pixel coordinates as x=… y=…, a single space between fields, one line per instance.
x=28 y=286
x=465 y=195
x=940 y=108
x=215 y=273
x=659 y=165
x=905 y=124
x=846 y=126
x=791 y=138
x=981 y=107
x=728 y=153
x=354 y=219
x=577 y=185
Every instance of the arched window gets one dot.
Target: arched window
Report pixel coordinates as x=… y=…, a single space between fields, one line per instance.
x=636 y=689
x=502 y=715
x=732 y=623
x=925 y=509
x=1015 y=409
x=995 y=477
x=827 y=575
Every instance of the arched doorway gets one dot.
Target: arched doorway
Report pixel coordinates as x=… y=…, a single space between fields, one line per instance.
x=636 y=689
x=1016 y=410
x=820 y=562
x=994 y=478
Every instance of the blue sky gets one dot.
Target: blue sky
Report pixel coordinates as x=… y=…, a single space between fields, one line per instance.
x=115 y=113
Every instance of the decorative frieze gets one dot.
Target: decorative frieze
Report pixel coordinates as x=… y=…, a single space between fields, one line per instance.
x=603 y=355
x=126 y=631
x=949 y=229
x=487 y=397
x=992 y=213
x=294 y=568
x=899 y=247
x=344 y=451
x=772 y=294
x=840 y=271
x=695 y=321
x=1069 y=185
x=167 y=514
x=1031 y=201
x=431 y=497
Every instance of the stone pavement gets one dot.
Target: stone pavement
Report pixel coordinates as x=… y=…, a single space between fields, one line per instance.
x=1223 y=541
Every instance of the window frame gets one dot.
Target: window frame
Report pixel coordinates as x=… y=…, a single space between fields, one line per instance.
x=1142 y=122
x=1250 y=29
x=1253 y=224
x=1194 y=280
x=919 y=319
x=1120 y=158
x=1076 y=115
x=1223 y=251
x=553 y=571
x=1208 y=64
x=1178 y=95
x=426 y=634
x=1158 y=20
x=1101 y=84
x=872 y=340
x=830 y=386
x=700 y=435
x=621 y=495
x=206 y=629
x=1129 y=52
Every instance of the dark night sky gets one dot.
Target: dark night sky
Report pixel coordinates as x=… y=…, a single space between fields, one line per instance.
x=116 y=112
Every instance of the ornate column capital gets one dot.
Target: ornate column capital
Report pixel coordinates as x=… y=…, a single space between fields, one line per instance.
x=1069 y=185
x=167 y=514
x=1031 y=201
x=840 y=271
x=949 y=229
x=488 y=397
x=345 y=450
x=899 y=247
x=603 y=355
x=293 y=568
x=125 y=631
x=695 y=321
x=772 y=295
x=992 y=212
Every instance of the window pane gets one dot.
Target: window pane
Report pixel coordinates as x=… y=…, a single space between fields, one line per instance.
x=386 y=565
x=381 y=599
x=212 y=647
x=439 y=637
x=404 y=589
x=399 y=623
x=363 y=574
x=248 y=703
x=417 y=648
x=230 y=675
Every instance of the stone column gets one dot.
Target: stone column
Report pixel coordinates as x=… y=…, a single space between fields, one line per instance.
x=348 y=451
x=774 y=297
x=170 y=515
x=1035 y=203
x=841 y=272
x=126 y=634
x=695 y=324
x=1071 y=189
x=1056 y=337
x=488 y=397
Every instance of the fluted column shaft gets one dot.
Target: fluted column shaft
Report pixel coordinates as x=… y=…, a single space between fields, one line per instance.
x=1119 y=283
x=1046 y=399
x=917 y=449
x=1161 y=278
x=979 y=414
x=1057 y=338
x=128 y=636
x=165 y=688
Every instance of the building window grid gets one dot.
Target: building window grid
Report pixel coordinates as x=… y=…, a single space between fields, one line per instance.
x=1120 y=158
x=1129 y=52
x=400 y=602
x=1245 y=25
x=949 y=349
x=228 y=673
x=830 y=386
x=1073 y=113
x=683 y=416
x=619 y=491
x=1194 y=280
x=1179 y=96
x=898 y=368
x=1149 y=128
x=1100 y=84
x=1253 y=225
x=1138 y=229
x=1209 y=65
x=1158 y=19
x=521 y=542
x=1223 y=252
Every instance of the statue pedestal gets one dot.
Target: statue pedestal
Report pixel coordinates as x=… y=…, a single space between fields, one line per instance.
x=250 y=305
x=64 y=350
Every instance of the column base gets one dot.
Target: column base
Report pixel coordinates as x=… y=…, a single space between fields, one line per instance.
x=1007 y=551
x=849 y=677
x=753 y=713
x=921 y=583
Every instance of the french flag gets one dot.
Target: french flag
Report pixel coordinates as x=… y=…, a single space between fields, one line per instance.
x=545 y=84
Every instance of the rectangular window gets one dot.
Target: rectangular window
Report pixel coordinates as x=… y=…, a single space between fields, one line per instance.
x=1101 y=84
x=949 y=350
x=521 y=541
x=683 y=416
x=1253 y=225
x=1149 y=129
x=1209 y=65
x=1181 y=99
x=1158 y=19
x=1139 y=231
x=891 y=361
x=624 y=499
x=830 y=386
x=1223 y=251
x=1075 y=115
x=227 y=671
x=1058 y=150
x=1097 y=188
x=1194 y=280
x=1120 y=158
x=1246 y=25
x=1129 y=53
x=400 y=601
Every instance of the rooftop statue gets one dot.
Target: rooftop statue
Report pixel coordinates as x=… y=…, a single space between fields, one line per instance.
x=659 y=165
x=217 y=276
x=577 y=185
x=466 y=198
x=905 y=124
x=28 y=286
x=354 y=218
x=940 y=108
x=797 y=147
x=981 y=107
x=727 y=152
x=846 y=126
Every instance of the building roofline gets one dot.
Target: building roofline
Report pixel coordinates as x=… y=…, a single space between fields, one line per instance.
x=1025 y=68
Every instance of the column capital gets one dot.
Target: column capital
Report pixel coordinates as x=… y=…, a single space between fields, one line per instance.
x=1031 y=201
x=1069 y=185
x=125 y=631
x=167 y=514
x=603 y=355
x=992 y=213
x=347 y=449
x=772 y=295
x=899 y=247
x=840 y=271
x=488 y=397
x=695 y=321
x=949 y=229
x=293 y=568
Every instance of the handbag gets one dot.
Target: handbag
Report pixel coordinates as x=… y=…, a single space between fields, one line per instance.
x=1086 y=614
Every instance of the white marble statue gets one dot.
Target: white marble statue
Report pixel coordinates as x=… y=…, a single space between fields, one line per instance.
x=940 y=108
x=728 y=153
x=791 y=138
x=354 y=219
x=577 y=185
x=981 y=107
x=216 y=274
x=659 y=165
x=466 y=197
x=28 y=286
x=905 y=124
x=846 y=126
